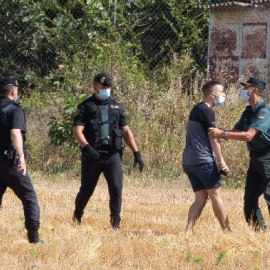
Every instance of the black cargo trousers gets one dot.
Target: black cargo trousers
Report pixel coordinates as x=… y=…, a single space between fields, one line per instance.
x=267 y=196
x=258 y=178
x=23 y=189
x=111 y=166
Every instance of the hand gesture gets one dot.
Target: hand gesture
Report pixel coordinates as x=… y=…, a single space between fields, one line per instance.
x=214 y=132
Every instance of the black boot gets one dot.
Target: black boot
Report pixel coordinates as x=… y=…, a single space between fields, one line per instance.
x=77 y=219
x=115 y=221
x=33 y=236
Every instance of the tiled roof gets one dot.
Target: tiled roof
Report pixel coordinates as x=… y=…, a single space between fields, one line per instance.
x=235 y=5
x=261 y=1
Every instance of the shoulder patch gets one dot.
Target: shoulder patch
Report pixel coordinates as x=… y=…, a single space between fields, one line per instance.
x=77 y=113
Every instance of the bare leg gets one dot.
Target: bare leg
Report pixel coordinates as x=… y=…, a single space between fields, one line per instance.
x=219 y=207
x=195 y=209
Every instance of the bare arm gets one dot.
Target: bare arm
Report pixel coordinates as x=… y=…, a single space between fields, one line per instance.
x=215 y=144
x=245 y=136
x=17 y=142
x=79 y=136
x=129 y=138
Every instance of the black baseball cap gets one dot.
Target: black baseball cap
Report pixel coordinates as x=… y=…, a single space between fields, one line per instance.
x=255 y=82
x=103 y=79
x=9 y=81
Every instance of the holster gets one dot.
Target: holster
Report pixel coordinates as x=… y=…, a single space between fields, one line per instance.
x=12 y=155
x=121 y=152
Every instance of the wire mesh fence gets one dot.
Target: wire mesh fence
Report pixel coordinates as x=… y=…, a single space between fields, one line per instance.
x=38 y=37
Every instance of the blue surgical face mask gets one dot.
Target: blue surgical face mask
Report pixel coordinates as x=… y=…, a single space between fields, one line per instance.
x=104 y=93
x=17 y=96
x=244 y=95
x=220 y=100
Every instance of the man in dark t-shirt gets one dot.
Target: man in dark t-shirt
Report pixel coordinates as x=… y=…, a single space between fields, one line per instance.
x=198 y=157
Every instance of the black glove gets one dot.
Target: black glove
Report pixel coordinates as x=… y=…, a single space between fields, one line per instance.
x=138 y=159
x=90 y=152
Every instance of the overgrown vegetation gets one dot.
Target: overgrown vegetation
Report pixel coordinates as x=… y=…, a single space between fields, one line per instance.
x=80 y=35
x=56 y=47
x=157 y=118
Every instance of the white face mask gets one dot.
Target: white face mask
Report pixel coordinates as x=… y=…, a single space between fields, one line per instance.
x=17 y=98
x=244 y=95
x=220 y=100
x=104 y=93
x=16 y=95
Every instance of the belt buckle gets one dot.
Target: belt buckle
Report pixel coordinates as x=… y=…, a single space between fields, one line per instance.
x=103 y=152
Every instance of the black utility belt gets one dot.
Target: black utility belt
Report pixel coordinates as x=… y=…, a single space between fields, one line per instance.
x=9 y=154
x=105 y=152
x=260 y=152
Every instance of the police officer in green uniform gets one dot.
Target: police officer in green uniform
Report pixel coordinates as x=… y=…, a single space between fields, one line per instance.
x=254 y=128
x=13 y=173
x=99 y=125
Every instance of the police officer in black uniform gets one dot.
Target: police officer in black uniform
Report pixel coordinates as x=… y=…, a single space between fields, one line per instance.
x=13 y=172
x=99 y=125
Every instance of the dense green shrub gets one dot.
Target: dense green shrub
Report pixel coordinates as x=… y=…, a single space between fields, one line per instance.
x=56 y=47
x=60 y=128
x=43 y=36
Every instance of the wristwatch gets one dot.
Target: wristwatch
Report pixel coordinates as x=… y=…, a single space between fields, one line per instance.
x=224 y=134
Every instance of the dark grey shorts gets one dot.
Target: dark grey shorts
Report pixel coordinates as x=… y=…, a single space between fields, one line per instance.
x=203 y=176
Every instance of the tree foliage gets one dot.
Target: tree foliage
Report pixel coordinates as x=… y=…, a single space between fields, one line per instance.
x=58 y=46
x=167 y=28
x=61 y=128
x=41 y=35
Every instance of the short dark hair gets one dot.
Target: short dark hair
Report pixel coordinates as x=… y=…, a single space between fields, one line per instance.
x=5 y=89
x=208 y=87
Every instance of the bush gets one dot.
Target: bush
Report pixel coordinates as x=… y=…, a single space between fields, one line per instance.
x=157 y=112
x=60 y=128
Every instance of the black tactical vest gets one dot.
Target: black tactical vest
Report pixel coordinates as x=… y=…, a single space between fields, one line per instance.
x=98 y=132
x=5 y=139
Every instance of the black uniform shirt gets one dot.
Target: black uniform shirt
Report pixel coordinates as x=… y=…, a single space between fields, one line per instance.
x=82 y=115
x=15 y=119
x=86 y=115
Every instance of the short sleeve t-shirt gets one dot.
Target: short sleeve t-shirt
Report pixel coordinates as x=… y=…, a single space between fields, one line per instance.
x=198 y=149
x=15 y=120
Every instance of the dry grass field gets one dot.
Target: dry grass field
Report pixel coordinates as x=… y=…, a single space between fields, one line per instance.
x=151 y=236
